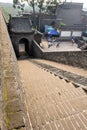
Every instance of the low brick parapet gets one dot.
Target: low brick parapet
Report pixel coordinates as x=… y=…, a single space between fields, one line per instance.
x=2 y=112
x=11 y=87
x=72 y=58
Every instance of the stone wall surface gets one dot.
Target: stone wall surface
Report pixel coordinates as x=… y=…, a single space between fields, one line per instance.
x=2 y=112
x=12 y=112
x=12 y=93
x=36 y=50
x=73 y=58
x=16 y=39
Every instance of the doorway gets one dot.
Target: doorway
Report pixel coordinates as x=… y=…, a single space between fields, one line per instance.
x=23 y=47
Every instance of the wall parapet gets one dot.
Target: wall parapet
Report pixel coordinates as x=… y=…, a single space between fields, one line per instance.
x=73 y=58
x=13 y=98
x=2 y=112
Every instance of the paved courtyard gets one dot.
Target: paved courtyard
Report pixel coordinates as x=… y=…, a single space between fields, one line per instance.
x=63 y=46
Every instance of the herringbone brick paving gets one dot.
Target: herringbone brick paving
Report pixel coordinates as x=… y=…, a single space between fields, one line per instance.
x=52 y=103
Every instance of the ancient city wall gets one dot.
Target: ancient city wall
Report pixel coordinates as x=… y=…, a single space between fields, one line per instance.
x=36 y=50
x=73 y=58
x=10 y=84
x=11 y=97
x=2 y=112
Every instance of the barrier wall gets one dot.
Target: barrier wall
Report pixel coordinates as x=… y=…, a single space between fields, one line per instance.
x=70 y=34
x=73 y=58
x=37 y=51
x=13 y=104
x=2 y=111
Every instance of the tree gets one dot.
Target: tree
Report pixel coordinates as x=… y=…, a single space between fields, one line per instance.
x=15 y=2
x=52 y=5
x=18 y=4
x=32 y=3
x=40 y=4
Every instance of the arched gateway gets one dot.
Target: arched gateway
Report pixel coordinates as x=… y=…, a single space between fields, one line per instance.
x=21 y=34
x=23 y=46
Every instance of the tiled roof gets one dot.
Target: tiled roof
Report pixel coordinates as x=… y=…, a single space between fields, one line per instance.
x=20 y=25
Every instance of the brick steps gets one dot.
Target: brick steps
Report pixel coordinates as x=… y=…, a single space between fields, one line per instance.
x=53 y=103
x=77 y=80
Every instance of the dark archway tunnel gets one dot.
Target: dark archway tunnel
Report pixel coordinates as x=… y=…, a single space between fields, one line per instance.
x=23 y=47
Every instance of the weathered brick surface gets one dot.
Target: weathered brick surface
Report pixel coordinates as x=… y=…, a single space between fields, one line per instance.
x=52 y=103
x=2 y=112
x=73 y=58
x=13 y=99
x=0 y=89
x=77 y=79
x=15 y=120
x=13 y=106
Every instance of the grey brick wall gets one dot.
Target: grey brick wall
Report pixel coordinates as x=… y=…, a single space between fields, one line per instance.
x=73 y=58
x=36 y=50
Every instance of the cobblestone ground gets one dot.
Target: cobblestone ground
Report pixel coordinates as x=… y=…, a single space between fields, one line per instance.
x=52 y=103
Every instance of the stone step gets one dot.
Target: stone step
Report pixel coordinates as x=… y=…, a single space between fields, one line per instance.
x=76 y=79
x=52 y=103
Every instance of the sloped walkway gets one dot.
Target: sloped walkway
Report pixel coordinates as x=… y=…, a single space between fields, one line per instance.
x=76 y=70
x=52 y=103
x=77 y=79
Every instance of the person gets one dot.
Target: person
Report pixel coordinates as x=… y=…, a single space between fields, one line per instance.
x=56 y=35
x=49 y=41
x=72 y=40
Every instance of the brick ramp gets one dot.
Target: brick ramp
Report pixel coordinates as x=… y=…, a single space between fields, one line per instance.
x=52 y=103
x=72 y=69
x=77 y=79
